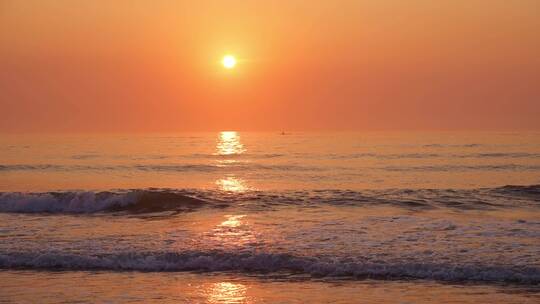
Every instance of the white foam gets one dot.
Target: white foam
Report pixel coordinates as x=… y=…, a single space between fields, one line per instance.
x=221 y=261
x=66 y=202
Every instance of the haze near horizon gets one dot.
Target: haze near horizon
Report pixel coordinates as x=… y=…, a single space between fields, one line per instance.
x=141 y=66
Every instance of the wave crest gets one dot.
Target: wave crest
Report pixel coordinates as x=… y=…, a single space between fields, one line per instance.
x=268 y=262
x=181 y=200
x=138 y=201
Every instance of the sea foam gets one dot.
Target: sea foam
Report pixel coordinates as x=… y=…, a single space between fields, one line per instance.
x=267 y=262
x=92 y=202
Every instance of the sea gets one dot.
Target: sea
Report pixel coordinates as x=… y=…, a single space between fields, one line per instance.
x=275 y=217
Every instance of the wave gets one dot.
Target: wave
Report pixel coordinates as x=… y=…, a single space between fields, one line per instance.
x=229 y=166
x=135 y=201
x=184 y=200
x=252 y=156
x=249 y=167
x=494 y=155
x=269 y=262
x=235 y=155
x=474 y=145
x=454 y=168
x=530 y=192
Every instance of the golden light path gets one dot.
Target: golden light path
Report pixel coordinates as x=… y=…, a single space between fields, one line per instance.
x=229 y=143
x=227 y=292
x=233 y=221
x=234 y=230
x=232 y=184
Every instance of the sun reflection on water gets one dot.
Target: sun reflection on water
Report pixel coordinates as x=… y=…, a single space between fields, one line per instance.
x=234 y=233
x=227 y=292
x=232 y=184
x=229 y=143
x=232 y=221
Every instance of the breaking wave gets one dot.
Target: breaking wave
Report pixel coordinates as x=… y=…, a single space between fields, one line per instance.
x=268 y=262
x=137 y=201
x=161 y=200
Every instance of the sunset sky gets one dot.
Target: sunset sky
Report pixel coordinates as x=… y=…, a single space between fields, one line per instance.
x=154 y=66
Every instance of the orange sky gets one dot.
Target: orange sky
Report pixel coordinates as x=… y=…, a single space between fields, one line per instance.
x=150 y=66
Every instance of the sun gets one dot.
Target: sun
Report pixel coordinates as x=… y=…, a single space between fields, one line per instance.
x=228 y=61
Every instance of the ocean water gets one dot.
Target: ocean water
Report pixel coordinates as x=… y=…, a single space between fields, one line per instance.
x=237 y=217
